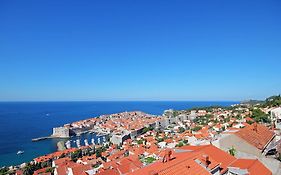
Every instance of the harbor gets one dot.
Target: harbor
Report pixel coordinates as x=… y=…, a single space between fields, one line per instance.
x=76 y=141
x=47 y=145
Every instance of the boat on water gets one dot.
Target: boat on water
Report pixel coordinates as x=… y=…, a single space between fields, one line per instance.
x=20 y=152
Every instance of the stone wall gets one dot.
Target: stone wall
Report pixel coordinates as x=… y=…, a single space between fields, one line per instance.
x=62 y=132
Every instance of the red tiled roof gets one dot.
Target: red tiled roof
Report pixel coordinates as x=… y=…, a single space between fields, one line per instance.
x=129 y=164
x=108 y=165
x=109 y=172
x=19 y=172
x=152 y=149
x=256 y=134
x=254 y=166
x=183 y=163
x=80 y=169
x=61 y=161
x=54 y=155
x=41 y=172
x=217 y=154
x=62 y=168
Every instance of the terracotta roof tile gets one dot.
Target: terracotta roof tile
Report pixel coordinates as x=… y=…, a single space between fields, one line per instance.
x=256 y=134
x=80 y=169
x=217 y=154
x=183 y=163
x=254 y=166
x=109 y=172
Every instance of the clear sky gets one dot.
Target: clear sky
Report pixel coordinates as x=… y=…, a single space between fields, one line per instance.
x=140 y=50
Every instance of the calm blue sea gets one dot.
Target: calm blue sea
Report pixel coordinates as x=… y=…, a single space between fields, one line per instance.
x=22 y=121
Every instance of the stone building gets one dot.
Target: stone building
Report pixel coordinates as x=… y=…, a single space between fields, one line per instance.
x=62 y=132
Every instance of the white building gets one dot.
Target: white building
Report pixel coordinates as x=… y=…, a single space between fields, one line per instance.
x=276 y=117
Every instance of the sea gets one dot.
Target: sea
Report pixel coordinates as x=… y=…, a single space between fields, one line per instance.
x=20 y=122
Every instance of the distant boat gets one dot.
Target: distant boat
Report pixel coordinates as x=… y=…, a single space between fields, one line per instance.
x=20 y=152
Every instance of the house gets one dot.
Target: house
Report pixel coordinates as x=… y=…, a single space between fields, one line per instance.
x=181 y=163
x=219 y=155
x=247 y=166
x=19 y=172
x=71 y=168
x=43 y=171
x=202 y=160
x=252 y=139
x=276 y=117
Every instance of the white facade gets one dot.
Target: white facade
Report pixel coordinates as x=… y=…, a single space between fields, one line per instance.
x=276 y=117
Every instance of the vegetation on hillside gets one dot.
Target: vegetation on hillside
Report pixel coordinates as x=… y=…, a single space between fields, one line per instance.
x=259 y=116
x=4 y=170
x=273 y=101
x=31 y=167
x=203 y=120
x=209 y=108
x=252 y=102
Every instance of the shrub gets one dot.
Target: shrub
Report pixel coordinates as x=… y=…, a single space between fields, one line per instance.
x=181 y=129
x=180 y=144
x=232 y=151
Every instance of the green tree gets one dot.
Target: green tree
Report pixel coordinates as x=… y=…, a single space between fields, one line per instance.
x=232 y=151
x=259 y=116
x=98 y=152
x=140 y=142
x=175 y=113
x=76 y=155
x=249 y=122
x=180 y=144
x=196 y=128
x=63 y=155
x=28 y=169
x=185 y=141
x=181 y=129
x=160 y=140
x=50 y=170
x=4 y=170
x=146 y=129
x=273 y=101
x=149 y=160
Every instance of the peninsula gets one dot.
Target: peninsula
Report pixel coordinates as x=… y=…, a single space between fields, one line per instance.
x=207 y=140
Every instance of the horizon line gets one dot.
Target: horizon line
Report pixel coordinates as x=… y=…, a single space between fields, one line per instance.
x=166 y=100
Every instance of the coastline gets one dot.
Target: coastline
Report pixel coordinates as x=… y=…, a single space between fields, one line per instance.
x=65 y=112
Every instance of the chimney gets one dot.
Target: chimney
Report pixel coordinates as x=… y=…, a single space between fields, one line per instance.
x=153 y=173
x=255 y=125
x=167 y=156
x=208 y=162
x=273 y=125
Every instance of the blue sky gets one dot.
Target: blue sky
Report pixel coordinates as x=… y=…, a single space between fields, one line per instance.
x=139 y=50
